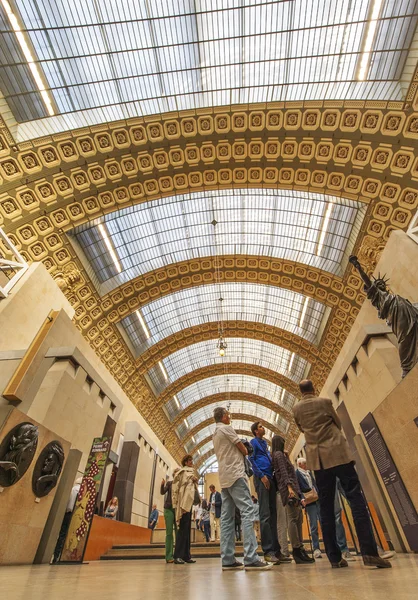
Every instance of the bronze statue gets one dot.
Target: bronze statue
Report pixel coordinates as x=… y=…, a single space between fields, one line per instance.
x=399 y=313
x=16 y=453
x=47 y=469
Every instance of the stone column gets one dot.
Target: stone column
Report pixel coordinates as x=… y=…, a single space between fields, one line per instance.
x=125 y=478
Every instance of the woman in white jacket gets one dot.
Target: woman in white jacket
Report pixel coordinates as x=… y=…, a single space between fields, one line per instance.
x=184 y=494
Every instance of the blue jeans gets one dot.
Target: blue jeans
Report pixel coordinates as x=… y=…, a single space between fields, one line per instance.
x=237 y=495
x=340 y=532
x=206 y=529
x=313 y=514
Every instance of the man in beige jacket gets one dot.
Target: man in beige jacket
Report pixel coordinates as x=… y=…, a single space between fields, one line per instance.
x=328 y=454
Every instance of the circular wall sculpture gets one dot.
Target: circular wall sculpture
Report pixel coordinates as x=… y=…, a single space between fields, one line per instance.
x=17 y=450
x=47 y=469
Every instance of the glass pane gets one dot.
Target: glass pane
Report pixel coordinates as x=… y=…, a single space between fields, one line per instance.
x=113 y=60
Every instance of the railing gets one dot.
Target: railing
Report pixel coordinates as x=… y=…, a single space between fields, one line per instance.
x=12 y=270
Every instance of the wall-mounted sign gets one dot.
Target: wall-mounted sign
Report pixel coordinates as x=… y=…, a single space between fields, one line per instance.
x=395 y=487
x=76 y=540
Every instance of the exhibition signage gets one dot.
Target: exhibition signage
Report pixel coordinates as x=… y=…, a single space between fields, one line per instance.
x=77 y=535
x=395 y=487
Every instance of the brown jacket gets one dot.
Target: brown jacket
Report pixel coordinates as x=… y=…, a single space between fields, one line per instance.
x=326 y=446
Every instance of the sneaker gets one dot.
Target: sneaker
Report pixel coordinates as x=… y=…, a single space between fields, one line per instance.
x=376 y=561
x=388 y=554
x=347 y=555
x=283 y=558
x=317 y=553
x=236 y=566
x=339 y=565
x=270 y=558
x=178 y=561
x=258 y=565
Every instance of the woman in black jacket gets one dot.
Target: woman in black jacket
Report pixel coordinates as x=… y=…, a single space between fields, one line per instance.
x=289 y=491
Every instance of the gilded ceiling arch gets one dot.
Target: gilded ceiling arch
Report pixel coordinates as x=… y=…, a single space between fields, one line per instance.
x=52 y=185
x=231 y=368
x=236 y=329
x=238 y=416
x=231 y=395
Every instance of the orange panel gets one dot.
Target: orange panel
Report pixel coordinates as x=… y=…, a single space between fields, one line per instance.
x=106 y=533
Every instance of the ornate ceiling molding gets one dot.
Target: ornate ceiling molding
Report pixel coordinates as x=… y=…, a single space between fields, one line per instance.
x=229 y=369
x=360 y=150
x=224 y=398
x=239 y=416
x=231 y=329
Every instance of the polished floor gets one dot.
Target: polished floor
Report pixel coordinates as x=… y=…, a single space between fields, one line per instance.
x=154 y=580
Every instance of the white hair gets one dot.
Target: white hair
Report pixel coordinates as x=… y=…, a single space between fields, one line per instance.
x=301 y=460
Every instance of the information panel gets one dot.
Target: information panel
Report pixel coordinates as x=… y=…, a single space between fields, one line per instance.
x=395 y=487
x=77 y=536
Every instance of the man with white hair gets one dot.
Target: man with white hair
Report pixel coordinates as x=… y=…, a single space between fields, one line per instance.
x=307 y=484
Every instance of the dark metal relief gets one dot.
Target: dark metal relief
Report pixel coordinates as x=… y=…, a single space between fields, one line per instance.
x=16 y=453
x=47 y=469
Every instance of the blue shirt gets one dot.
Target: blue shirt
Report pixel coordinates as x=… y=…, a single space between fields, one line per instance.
x=261 y=458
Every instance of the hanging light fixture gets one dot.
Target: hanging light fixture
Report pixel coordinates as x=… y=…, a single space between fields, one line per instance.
x=222 y=346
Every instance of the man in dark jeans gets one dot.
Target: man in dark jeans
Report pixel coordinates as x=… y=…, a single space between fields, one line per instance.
x=266 y=492
x=329 y=455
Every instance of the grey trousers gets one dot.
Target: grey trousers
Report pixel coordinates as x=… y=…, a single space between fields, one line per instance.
x=295 y=520
x=282 y=525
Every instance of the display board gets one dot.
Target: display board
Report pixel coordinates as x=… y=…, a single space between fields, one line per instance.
x=77 y=535
x=395 y=487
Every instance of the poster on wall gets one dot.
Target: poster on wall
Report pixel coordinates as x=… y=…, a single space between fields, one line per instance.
x=77 y=535
x=395 y=487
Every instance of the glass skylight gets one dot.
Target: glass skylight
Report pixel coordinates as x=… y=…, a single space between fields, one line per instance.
x=222 y=384
x=283 y=224
x=112 y=60
x=241 y=302
x=239 y=350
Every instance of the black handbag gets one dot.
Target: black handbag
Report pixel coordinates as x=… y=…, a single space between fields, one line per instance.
x=248 y=468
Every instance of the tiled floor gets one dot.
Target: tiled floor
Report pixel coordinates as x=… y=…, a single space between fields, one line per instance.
x=154 y=580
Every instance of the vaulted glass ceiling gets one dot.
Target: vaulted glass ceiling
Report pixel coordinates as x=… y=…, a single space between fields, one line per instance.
x=251 y=302
x=283 y=224
x=235 y=407
x=210 y=465
x=112 y=60
x=222 y=384
x=239 y=350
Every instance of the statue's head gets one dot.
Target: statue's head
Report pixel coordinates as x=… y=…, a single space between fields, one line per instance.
x=25 y=436
x=53 y=460
x=380 y=283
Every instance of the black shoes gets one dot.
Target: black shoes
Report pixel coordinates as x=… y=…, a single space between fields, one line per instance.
x=376 y=561
x=282 y=558
x=190 y=561
x=301 y=557
x=236 y=566
x=339 y=565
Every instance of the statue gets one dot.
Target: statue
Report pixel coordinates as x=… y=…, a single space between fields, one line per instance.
x=47 y=469
x=400 y=314
x=16 y=453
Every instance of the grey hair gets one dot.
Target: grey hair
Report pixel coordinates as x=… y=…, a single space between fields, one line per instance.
x=300 y=460
x=218 y=413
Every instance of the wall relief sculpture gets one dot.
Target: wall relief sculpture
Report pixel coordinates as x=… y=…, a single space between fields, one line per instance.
x=16 y=453
x=47 y=469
